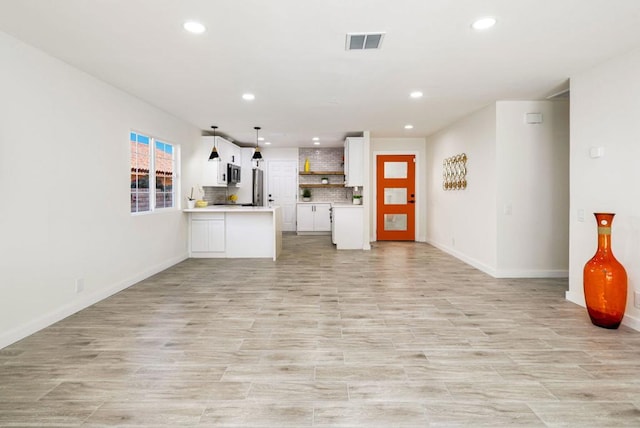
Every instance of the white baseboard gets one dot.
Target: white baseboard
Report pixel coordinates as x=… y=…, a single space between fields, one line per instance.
x=502 y=273
x=631 y=322
x=577 y=298
x=468 y=260
x=62 y=312
x=527 y=273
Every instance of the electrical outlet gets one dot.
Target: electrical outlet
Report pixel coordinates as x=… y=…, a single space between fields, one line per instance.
x=636 y=299
x=79 y=285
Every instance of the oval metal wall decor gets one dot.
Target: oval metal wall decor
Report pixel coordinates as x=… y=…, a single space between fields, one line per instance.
x=454 y=172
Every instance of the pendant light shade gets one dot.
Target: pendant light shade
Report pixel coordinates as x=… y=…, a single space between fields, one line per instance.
x=257 y=156
x=214 y=152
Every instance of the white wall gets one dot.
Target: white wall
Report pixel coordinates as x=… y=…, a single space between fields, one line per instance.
x=463 y=222
x=64 y=166
x=605 y=111
x=532 y=189
x=399 y=145
x=511 y=220
x=275 y=153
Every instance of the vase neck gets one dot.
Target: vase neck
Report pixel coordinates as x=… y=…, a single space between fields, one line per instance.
x=604 y=239
x=604 y=221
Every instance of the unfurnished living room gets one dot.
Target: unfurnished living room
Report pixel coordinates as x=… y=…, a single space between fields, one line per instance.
x=319 y=214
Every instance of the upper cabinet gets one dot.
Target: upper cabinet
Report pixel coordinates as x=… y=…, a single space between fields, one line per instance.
x=354 y=162
x=214 y=173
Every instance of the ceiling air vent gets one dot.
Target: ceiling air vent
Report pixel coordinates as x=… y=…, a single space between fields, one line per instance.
x=360 y=41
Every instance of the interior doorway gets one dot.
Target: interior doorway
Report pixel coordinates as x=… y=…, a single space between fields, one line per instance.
x=396 y=198
x=282 y=189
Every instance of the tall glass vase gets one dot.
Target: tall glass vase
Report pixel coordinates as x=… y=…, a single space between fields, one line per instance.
x=605 y=280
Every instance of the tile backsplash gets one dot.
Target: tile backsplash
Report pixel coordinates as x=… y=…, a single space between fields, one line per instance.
x=329 y=159
x=216 y=195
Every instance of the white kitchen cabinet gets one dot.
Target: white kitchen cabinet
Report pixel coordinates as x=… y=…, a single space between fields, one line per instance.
x=354 y=162
x=234 y=154
x=314 y=218
x=214 y=173
x=347 y=231
x=235 y=232
x=244 y=190
x=207 y=233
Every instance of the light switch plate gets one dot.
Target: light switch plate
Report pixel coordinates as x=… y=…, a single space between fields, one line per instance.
x=596 y=152
x=534 y=118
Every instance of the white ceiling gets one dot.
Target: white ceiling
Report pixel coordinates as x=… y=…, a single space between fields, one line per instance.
x=291 y=55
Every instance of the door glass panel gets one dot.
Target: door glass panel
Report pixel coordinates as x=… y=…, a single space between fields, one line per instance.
x=395 y=196
x=395 y=170
x=395 y=222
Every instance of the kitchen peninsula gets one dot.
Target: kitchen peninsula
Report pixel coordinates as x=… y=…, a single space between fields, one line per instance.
x=234 y=231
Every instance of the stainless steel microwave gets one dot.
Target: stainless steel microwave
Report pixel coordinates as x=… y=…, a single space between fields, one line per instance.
x=233 y=174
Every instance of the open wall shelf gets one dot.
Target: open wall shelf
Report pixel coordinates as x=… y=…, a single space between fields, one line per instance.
x=321 y=172
x=318 y=186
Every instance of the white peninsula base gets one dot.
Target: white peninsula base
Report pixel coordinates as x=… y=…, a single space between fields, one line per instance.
x=229 y=231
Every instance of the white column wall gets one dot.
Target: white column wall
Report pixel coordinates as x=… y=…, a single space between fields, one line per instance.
x=532 y=189
x=463 y=222
x=64 y=165
x=605 y=111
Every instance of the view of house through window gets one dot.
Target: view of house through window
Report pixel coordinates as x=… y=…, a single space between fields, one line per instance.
x=164 y=167
x=150 y=155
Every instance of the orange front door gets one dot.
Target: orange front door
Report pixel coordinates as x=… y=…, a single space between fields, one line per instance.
x=395 y=192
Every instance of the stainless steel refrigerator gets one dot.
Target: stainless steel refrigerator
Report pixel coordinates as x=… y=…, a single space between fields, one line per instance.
x=258 y=183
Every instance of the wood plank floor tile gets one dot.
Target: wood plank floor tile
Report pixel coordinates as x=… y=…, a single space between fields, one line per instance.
x=402 y=335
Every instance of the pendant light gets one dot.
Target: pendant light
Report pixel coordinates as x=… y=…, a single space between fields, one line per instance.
x=214 y=152
x=257 y=156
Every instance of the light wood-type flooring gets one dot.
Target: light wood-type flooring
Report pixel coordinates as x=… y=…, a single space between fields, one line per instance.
x=400 y=336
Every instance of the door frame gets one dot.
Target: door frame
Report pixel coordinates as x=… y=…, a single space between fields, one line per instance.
x=420 y=204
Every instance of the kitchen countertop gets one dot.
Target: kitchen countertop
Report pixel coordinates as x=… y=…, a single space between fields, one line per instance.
x=230 y=208
x=346 y=205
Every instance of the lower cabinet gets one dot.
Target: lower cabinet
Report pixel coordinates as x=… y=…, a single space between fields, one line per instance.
x=207 y=233
x=314 y=218
x=348 y=223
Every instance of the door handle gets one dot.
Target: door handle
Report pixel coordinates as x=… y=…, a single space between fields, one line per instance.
x=412 y=202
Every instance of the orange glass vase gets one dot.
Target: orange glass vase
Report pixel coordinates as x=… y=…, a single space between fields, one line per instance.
x=605 y=280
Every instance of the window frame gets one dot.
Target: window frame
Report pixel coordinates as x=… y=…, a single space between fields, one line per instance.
x=152 y=180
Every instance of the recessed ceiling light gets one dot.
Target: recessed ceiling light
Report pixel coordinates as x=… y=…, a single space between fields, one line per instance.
x=483 y=23
x=408 y=127
x=416 y=94
x=194 y=27
x=260 y=138
x=316 y=139
x=267 y=143
x=248 y=97
x=316 y=143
